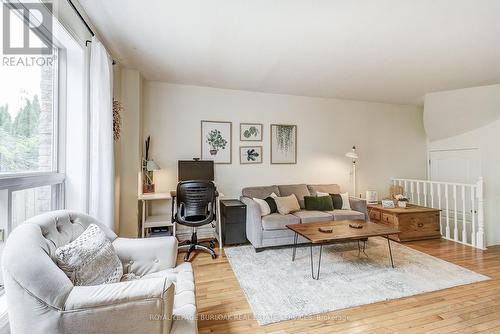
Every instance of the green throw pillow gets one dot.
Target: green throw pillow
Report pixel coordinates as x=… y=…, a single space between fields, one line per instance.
x=322 y=203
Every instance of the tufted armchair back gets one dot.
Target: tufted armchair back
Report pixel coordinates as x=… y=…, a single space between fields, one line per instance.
x=28 y=265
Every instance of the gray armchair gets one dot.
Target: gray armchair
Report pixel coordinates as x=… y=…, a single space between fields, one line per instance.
x=41 y=298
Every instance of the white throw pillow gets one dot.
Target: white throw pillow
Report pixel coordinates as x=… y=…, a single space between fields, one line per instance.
x=287 y=204
x=90 y=259
x=321 y=194
x=264 y=207
x=345 y=201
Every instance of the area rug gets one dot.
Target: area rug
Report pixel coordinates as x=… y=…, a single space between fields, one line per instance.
x=278 y=289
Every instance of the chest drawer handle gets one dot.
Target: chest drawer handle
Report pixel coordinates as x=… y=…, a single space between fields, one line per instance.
x=420 y=224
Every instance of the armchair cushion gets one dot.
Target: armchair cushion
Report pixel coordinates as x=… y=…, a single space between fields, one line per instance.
x=87 y=297
x=90 y=259
x=144 y=256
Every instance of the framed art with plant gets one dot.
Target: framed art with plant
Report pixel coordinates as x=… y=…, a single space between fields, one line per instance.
x=250 y=155
x=283 y=144
x=251 y=131
x=216 y=141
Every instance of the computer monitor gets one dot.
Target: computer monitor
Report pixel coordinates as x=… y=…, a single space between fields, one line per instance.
x=196 y=170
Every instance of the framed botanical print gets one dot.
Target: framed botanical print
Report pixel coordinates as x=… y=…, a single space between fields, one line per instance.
x=250 y=155
x=283 y=144
x=251 y=131
x=216 y=141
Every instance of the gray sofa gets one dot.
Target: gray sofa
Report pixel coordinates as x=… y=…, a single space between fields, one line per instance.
x=270 y=230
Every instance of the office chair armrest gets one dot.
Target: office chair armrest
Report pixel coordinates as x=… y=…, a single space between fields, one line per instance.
x=144 y=256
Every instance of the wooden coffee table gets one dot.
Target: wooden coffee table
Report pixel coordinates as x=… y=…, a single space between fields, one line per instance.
x=341 y=233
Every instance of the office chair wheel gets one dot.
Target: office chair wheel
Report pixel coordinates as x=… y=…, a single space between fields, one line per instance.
x=214 y=256
x=186 y=258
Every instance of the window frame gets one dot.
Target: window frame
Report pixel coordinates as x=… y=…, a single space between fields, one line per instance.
x=16 y=181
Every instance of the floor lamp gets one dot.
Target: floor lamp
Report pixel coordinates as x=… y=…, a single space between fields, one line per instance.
x=353 y=155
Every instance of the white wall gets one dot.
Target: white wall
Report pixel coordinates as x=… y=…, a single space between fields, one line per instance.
x=130 y=91
x=468 y=108
x=485 y=138
x=390 y=138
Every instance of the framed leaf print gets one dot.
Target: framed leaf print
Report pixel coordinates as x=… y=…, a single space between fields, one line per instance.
x=251 y=131
x=283 y=144
x=216 y=141
x=250 y=155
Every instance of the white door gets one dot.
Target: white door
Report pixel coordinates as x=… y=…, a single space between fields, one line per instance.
x=458 y=166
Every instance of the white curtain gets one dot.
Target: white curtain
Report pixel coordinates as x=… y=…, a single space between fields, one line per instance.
x=102 y=176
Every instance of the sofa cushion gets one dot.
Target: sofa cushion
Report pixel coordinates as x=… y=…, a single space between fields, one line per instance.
x=347 y=215
x=260 y=192
x=299 y=190
x=324 y=188
x=322 y=203
x=276 y=221
x=337 y=201
x=307 y=216
x=272 y=203
x=264 y=206
x=287 y=204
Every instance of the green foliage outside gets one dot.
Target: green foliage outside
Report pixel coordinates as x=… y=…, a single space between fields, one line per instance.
x=19 y=140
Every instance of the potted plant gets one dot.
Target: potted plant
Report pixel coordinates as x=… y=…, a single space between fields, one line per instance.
x=216 y=141
x=402 y=200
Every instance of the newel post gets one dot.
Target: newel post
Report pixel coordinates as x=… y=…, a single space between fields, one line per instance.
x=480 y=214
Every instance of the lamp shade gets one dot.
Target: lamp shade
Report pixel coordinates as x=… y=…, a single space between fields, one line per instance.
x=151 y=166
x=352 y=154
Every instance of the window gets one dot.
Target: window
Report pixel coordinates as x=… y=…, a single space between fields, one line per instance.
x=27 y=122
x=31 y=178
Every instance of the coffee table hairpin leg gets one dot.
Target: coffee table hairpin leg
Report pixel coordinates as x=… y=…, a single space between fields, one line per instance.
x=296 y=236
x=362 y=249
x=319 y=262
x=390 y=250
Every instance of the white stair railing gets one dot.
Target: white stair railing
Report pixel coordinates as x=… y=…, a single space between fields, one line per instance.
x=461 y=205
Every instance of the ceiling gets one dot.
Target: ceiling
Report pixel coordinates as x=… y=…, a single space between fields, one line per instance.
x=379 y=50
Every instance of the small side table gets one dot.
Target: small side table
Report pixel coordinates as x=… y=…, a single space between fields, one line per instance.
x=152 y=221
x=233 y=220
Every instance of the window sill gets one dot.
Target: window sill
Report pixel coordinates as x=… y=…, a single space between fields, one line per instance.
x=33 y=180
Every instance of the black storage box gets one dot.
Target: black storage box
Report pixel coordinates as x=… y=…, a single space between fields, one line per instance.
x=233 y=215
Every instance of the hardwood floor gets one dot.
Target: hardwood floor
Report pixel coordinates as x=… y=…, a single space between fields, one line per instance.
x=223 y=308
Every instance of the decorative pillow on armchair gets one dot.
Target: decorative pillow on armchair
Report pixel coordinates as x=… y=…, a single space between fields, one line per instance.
x=90 y=259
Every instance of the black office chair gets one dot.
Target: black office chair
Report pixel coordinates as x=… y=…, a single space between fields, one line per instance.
x=196 y=206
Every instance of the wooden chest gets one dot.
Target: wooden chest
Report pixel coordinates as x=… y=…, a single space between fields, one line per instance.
x=414 y=222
